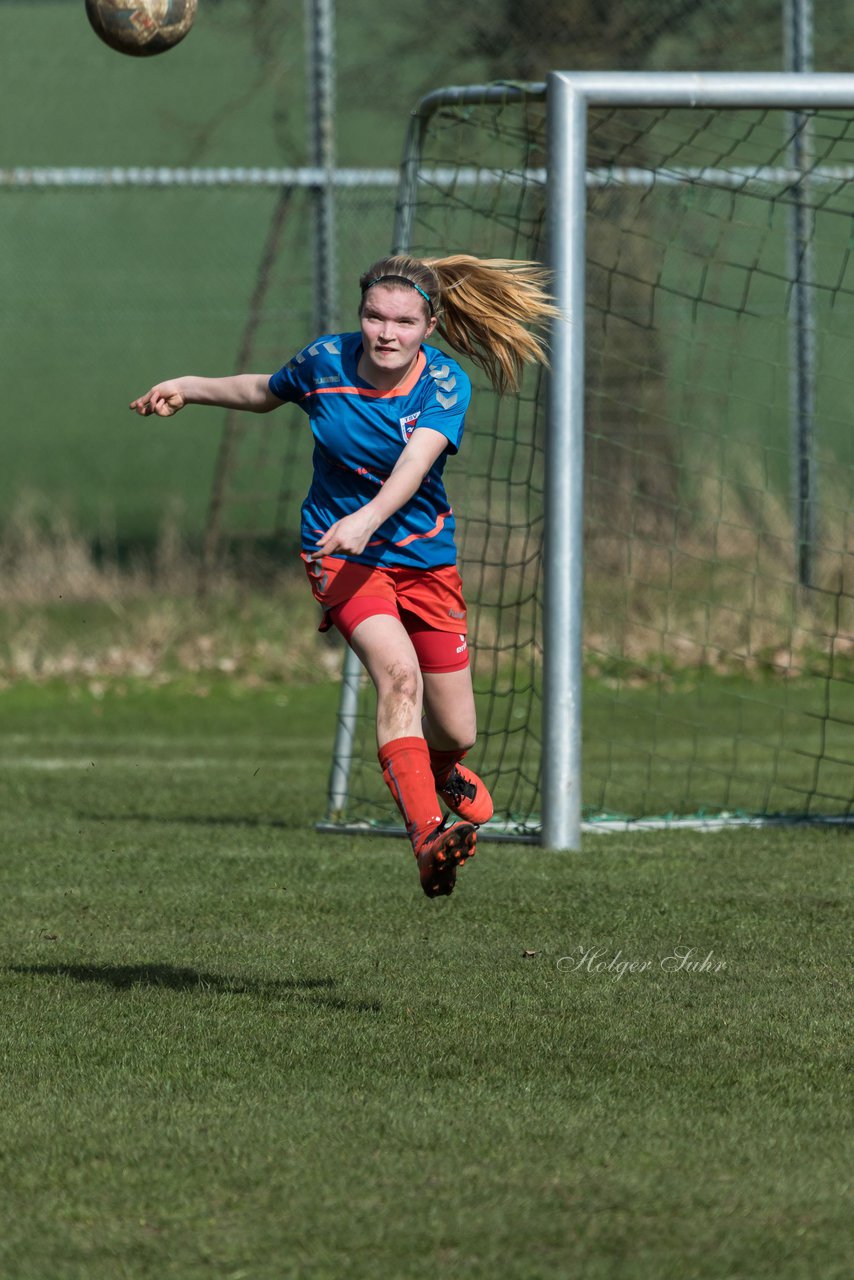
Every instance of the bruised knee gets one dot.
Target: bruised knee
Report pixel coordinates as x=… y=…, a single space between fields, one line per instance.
x=400 y=686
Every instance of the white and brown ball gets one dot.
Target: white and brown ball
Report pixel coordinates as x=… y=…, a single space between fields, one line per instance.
x=141 y=28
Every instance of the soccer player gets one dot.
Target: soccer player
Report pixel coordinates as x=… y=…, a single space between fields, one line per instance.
x=386 y=410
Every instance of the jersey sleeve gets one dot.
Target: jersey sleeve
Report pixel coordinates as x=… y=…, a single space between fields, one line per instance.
x=447 y=397
x=292 y=382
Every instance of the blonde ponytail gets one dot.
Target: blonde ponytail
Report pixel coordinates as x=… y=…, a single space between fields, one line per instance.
x=483 y=307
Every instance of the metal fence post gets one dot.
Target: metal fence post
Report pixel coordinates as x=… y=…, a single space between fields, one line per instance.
x=798 y=41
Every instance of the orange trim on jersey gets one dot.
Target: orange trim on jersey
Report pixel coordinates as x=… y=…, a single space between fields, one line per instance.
x=403 y=388
x=437 y=528
x=410 y=537
x=413 y=537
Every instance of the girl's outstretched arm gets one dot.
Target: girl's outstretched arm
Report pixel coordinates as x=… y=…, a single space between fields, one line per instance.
x=240 y=391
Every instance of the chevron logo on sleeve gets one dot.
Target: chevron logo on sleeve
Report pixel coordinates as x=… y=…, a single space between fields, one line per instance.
x=447 y=402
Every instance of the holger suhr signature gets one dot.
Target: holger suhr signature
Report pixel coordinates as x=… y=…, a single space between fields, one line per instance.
x=681 y=959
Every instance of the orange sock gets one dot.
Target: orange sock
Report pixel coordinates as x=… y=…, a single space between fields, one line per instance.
x=442 y=764
x=406 y=769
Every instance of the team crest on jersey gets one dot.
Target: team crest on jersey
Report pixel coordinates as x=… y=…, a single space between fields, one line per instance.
x=407 y=424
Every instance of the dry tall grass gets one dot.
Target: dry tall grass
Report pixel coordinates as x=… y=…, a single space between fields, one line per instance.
x=716 y=586
x=713 y=587
x=67 y=613
x=709 y=582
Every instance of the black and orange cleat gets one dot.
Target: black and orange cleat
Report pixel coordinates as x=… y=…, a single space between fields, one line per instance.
x=441 y=854
x=466 y=795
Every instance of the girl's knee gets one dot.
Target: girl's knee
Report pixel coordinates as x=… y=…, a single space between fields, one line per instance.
x=459 y=736
x=400 y=681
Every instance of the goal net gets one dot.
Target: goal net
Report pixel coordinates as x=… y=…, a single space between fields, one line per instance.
x=718 y=649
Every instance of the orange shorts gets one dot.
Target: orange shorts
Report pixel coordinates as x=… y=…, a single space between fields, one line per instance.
x=429 y=603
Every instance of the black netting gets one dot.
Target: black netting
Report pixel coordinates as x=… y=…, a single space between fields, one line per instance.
x=719 y=680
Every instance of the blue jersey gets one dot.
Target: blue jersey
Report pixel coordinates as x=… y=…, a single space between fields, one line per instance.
x=359 y=433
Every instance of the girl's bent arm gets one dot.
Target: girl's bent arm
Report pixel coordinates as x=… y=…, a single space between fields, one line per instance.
x=351 y=534
x=249 y=391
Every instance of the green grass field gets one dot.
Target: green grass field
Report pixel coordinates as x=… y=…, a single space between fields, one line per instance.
x=235 y=1048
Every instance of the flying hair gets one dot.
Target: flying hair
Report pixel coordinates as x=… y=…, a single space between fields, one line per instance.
x=483 y=307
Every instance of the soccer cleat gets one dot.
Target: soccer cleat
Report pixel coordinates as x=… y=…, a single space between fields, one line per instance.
x=441 y=854
x=466 y=795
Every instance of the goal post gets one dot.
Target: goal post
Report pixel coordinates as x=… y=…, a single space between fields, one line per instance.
x=508 y=170
x=569 y=97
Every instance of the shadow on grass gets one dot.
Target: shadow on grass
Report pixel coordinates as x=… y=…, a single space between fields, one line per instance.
x=314 y=991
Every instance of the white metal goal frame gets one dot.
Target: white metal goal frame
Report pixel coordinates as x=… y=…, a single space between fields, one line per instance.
x=568 y=97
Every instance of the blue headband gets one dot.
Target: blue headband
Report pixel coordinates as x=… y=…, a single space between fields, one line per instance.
x=401 y=280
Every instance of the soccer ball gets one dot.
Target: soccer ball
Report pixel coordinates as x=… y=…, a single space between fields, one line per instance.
x=141 y=27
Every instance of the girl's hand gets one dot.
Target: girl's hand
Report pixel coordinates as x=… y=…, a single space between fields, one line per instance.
x=165 y=400
x=348 y=536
